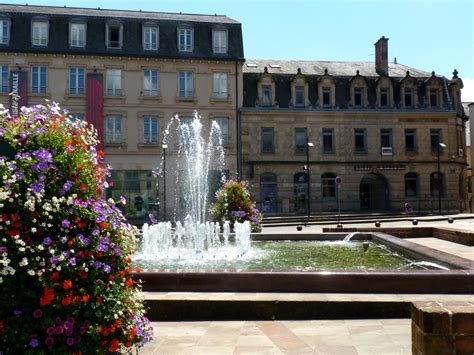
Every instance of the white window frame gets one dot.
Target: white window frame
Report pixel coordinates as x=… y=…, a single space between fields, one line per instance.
x=147 y=34
x=74 y=74
x=37 y=88
x=5 y=24
x=113 y=86
x=150 y=86
x=77 y=34
x=220 y=41
x=113 y=136
x=150 y=137
x=187 y=35
x=219 y=86
x=186 y=79
x=39 y=33
x=108 y=42
x=4 y=75
x=223 y=123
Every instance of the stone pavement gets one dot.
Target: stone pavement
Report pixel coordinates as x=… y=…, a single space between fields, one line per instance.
x=332 y=337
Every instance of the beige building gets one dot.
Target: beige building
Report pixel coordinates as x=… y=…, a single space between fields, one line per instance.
x=129 y=73
x=377 y=126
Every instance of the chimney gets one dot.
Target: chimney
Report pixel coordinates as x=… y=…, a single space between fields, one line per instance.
x=381 y=56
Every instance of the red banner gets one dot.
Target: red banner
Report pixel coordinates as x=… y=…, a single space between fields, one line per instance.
x=95 y=103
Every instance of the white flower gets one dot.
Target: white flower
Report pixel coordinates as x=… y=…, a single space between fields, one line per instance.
x=23 y=262
x=31 y=272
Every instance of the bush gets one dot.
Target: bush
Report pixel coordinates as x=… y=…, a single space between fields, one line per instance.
x=65 y=263
x=233 y=204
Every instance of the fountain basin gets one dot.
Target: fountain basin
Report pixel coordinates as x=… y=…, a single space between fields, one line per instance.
x=459 y=279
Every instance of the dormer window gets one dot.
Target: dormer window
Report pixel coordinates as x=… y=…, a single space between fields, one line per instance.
x=5 y=31
x=266 y=90
x=408 y=98
x=327 y=90
x=358 y=97
x=114 y=39
x=434 y=91
x=326 y=97
x=150 y=37
x=409 y=89
x=384 y=92
x=358 y=91
x=299 y=96
x=39 y=33
x=433 y=98
x=266 y=95
x=77 y=35
x=384 y=97
x=299 y=90
x=219 y=41
x=185 y=39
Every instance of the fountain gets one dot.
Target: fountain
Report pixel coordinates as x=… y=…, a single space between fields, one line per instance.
x=195 y=238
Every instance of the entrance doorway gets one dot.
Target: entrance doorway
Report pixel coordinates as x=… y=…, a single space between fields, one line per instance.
x=374 y=194
x=268 y=194
x=301 y=192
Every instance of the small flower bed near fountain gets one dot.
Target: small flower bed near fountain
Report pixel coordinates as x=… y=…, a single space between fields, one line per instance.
x=65 y=266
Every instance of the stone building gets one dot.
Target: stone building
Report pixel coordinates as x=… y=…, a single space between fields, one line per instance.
x=129 y=73
x=377 y=126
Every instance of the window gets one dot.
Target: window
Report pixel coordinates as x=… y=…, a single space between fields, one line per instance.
x=77 y=35
x=224 y=128
x=151 y=38
x=186 y=89
x=300 y=140
x=433 y=98
x=219 y=41
x=150 y=83
x=411 y=185
x=358 y=97
x=76 y=81
x=150 y=130
x=326 y=96
x=4 y=31
x=268 y=140
x=435 y=139
x=113 y=82
x=39 y=33
x=385 y=138
x=113 y=129
x=114 y=35
x=436 y=184
x=4 y=79
x=219 y=89
x=408 y=98
x=185 y=39
x=328 y=185
x=410 y=140
x=383 y=97
x=360 y=140
x=328 y=140
x=267 y=97
x=38 y=80
x=299 y=96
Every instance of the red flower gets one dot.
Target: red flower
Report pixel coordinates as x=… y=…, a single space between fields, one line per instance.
x=83 y=188
x=67 y=284
x=114 y=344
x=86 y=298
x=99 y=300
x=48 y=296
x=66 y=301
x=129 y=282
x=54 y=276
x=103 y=225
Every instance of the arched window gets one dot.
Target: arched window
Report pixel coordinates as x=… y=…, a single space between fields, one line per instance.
x=358 y=90
x=328 y=185
x=411 y=185
x=437 y=184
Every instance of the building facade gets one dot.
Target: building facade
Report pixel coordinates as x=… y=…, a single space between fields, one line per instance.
x=379 y=127
x=128 y=73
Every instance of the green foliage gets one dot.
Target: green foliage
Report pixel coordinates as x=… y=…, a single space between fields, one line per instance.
x=233 y=204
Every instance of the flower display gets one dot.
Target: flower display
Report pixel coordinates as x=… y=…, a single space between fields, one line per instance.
x=65 y=252
x=233 y=204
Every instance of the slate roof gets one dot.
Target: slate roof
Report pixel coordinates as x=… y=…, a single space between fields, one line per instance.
x=98 y=12
x=334 y=68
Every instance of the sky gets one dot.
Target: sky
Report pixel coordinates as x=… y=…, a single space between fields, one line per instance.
x=425 y=34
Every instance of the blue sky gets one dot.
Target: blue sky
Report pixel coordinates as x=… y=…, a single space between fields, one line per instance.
x=426 y=34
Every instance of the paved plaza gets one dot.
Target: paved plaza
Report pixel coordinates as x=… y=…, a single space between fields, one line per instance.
x=332 y=337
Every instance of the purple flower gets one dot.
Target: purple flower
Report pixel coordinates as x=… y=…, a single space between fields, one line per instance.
x=49 y=341
x=66 y=187
x=105 y=240
x=123 y=200
x=107 y=269
x=86 y=324
x=19 y=175
x=16 y=312
x=12 y=167
x=102 y=247
x=95 y=232
x=152 y=218
x=43 y=155
x=54 y=260
x=72 y=262
x=51 y=330
x=70 y=341
x=66 y=254
x=34 y=343
x=97 y=264
x=65 y=223
x=37 y=313
x=37 y=187
x=83 y=239
x=47 y=241
x=59 y=329
x=42 y=166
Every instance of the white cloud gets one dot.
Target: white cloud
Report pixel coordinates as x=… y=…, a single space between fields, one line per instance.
x=467 y=93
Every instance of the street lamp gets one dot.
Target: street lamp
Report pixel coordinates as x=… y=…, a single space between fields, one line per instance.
x=164 y=146
x=308 y=145
x=440 y=145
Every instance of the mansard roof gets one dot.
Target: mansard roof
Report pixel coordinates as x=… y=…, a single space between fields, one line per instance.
x=334 y=68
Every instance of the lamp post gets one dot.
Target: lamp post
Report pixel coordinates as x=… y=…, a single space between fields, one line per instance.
x=164 y=146
x=440 y=145
x=308 y=145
